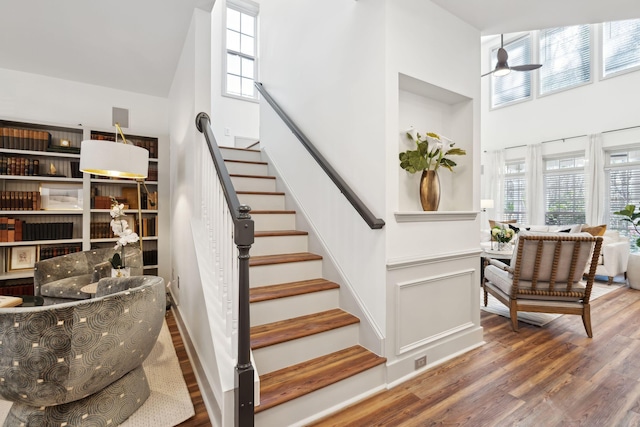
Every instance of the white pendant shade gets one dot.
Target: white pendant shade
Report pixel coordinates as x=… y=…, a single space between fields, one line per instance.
x=115 y=159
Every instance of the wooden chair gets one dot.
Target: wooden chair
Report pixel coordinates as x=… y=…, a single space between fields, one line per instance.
x=546 y=275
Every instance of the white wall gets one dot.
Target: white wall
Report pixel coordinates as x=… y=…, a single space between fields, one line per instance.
x=40 y=98
x=323 y=62
x=236 y=117
x=432 y=279
x=596 y=107
x=189 y=95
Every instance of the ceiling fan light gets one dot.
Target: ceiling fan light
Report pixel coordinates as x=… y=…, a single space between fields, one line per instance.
x=501 y=71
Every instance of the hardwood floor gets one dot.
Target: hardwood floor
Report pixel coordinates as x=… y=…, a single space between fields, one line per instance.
x=201 y=418
x=549 y=376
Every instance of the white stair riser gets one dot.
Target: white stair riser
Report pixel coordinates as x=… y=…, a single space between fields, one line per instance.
x=272 y=222
x=274 y=357
x=299 y=305
x=243 y=155
x=247 y=168
x=241 y=183
x=273 y=274
x=295 y=411
x=263 y=202
x=273 y=245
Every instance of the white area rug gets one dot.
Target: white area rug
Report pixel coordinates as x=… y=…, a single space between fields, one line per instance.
x=539 y=319
x=169 y=403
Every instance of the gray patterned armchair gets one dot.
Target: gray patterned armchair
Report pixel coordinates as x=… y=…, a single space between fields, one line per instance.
x=80 y=363
x=60 y=279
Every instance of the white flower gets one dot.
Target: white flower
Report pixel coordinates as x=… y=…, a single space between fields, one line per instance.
x=117 y=211
x=412 y=133
x=434 y=144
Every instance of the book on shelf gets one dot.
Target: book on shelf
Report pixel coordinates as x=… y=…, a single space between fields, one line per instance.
x=47 y=252
x=24 y=139
x=20 y=201
x=19 y=166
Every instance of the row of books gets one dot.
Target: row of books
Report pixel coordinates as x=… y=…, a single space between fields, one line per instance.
x=47 y=252
x=102 y=230
x=150 y=257
x=21 y=166
x=129 y=200
x=20 y=201
x=148 y=144
x=104 y=202
x=17 y=230
x=24 y=139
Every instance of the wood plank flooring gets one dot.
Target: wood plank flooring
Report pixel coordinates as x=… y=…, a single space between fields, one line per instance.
x=201 y=418
x=549 y=376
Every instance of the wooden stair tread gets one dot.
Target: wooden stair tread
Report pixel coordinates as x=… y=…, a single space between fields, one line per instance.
x=299 y=327
x=245 y=161
x=270 y=212
x=283 y=290
x=237 y=175
x=240 y=149
x=262 y=193
x=294 y=381
x=280 y=233
x=282 y=258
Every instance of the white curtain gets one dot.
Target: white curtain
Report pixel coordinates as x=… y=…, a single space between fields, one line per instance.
x=493 y=184
x=594 y=177
x=534 y=184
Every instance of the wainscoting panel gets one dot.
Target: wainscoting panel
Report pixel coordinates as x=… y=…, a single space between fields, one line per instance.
x=433 y=308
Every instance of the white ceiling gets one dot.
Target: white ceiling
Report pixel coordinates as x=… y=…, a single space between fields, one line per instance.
x=134 y=45
x=509 y=16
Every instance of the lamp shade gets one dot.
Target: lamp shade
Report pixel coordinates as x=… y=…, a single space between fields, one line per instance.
x=486 y=203
x=116 y=159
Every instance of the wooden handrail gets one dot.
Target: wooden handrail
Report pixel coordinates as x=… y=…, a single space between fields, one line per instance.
x=243 y=238
x=360 y=207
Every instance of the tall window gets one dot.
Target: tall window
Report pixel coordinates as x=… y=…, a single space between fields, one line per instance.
x=565 y=54
x=514 y=192
x=564 y=190
x=623 y=176
x=241 y=45
x=620 y=46
x=515 y=86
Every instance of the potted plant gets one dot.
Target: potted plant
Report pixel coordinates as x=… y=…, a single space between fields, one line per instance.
x=120 y=228
x=432 y=152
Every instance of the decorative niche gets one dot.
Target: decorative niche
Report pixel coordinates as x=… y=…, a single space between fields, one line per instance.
x=431 y=108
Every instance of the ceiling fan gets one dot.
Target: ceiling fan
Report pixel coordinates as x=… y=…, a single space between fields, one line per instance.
x=502 y=68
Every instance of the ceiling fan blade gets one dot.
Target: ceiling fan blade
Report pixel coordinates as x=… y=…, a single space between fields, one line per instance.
x=486 y=74
x=526 y=67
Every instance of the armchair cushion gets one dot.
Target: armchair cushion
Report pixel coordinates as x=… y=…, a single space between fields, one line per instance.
x=68 y=287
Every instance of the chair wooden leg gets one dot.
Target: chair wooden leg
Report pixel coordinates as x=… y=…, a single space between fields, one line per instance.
x=513 y=311
x=486 y=296
x=586 y=319
x=610 y=280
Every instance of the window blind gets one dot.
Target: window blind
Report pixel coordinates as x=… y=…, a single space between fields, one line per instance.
x=516 y=85
x=564 y=198
x=565 y=53
x=620 y=46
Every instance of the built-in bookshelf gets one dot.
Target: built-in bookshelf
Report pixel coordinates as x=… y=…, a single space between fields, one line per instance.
x=125 y=191
x=49 y=208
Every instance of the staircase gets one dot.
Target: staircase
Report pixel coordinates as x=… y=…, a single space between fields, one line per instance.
x=304 y=346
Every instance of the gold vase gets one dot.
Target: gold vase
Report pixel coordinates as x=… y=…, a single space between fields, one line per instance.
x=429 y=190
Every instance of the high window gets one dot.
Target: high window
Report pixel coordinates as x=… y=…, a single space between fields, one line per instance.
x=623 y=176
x=514 y=192
x=515 y=86
x=565 y=53
x=620 y=46
x=241 y=45
x=564 y=190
